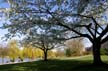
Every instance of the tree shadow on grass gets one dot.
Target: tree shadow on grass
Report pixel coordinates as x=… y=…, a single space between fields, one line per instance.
x=54 y=65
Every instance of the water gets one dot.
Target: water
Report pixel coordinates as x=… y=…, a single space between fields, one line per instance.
x=7 y=60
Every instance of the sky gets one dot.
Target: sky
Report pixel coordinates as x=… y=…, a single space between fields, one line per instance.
x=4 y=31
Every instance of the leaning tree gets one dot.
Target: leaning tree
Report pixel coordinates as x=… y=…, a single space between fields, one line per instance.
x=77 y=18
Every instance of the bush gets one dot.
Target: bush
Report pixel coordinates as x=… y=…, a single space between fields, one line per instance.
x=59 y=53
x=68 y=52
x=104 y=51
x=87 y=52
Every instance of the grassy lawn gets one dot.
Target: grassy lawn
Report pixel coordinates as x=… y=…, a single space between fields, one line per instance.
x=67 y=64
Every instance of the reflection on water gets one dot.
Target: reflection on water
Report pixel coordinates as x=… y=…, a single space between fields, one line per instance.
x=7 y=60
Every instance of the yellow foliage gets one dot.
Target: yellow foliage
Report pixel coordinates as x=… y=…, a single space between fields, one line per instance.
x=51 y=54
x=13 y=49
x=32 y=52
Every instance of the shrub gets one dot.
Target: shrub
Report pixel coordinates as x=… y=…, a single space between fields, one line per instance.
x=104 y=51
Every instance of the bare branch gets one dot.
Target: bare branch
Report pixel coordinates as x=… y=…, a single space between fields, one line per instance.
x=30 y=11
x=96 y=23
x=84 y=16
x=96 y=31
x=88 y=28
x=92 y=19
x=65 y=26
x=104 y=32
x=68 y=38
x=50 y=48
x=104 y=40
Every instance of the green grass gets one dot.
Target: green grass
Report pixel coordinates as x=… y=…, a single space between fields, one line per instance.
x=67 y=64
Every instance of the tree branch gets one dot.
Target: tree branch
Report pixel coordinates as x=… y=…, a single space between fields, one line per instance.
x=87 y=17
x=96 y=23
x=50 y=48
x=30 y=11
x=68 y=38
x=104 y=40
x=96 y=31
x=88 y=28
x=104 y=32
x=92 y=19
x=61 y=24
x=65 y=26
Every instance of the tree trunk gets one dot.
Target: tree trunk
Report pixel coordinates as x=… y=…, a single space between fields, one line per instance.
x=45 y=55
x=96 y=52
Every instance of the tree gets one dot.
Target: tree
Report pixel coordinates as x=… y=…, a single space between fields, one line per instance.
x=38 y=53
x=41 y=39
x=67 y=14
x=28 y=51
x=68 y=52
x=51 y=54
x=3 y=52
x=21 y=55
x=13 y=50
x=31 y=52
x=74 y=47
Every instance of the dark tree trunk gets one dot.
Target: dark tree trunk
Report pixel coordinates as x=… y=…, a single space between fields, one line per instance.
x=45 y=55
x=96 y=52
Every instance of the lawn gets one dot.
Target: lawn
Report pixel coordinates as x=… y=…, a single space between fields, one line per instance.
x=66 y=64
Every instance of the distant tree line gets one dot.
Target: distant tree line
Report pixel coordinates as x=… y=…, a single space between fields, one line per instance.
x=12 y=51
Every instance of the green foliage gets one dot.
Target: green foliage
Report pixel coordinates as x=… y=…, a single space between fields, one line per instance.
x=104 y=51
x=68 y=52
